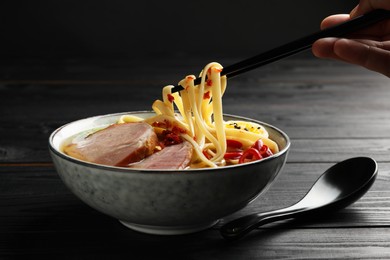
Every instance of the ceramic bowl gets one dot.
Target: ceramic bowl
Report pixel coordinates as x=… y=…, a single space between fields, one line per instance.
x=164 y=201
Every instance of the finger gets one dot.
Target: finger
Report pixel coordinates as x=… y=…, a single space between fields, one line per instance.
x=372 y=32
x=334 y=20
x=378 y=44
x=359 y=53
x=323 y=48
x=370 y=54
x=366 y=6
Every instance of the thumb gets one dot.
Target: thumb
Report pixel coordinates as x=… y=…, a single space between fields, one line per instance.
x=366 y=6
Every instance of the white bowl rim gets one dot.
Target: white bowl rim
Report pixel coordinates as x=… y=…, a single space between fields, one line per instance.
x=165 y=171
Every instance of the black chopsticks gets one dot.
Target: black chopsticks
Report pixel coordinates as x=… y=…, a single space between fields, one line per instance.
x=300 y=44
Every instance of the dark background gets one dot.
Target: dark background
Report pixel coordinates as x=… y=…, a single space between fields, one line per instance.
x=55 y=29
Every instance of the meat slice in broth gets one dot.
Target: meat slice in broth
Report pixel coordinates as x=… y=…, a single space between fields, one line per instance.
x=116 y=145
x=173 y=157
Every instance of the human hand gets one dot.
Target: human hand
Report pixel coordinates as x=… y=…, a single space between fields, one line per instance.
x=369 y=48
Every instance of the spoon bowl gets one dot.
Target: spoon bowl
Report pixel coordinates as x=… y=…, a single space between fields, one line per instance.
x=339 y=186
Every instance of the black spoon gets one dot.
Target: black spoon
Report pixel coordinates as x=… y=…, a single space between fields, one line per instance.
x=338 y=187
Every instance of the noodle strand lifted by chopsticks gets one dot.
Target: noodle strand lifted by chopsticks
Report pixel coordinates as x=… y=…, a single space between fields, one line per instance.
x=199 y=118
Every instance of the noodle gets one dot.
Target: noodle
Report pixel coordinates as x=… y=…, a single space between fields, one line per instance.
x=196 y=114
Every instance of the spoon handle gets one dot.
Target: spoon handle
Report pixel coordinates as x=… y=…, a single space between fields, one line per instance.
x=239 y=227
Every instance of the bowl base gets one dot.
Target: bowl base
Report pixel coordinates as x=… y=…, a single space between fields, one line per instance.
x=168 y=230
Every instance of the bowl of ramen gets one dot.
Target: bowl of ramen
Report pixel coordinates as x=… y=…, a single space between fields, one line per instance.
x=177 y=169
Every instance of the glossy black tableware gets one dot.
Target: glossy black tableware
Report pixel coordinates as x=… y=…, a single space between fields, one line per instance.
x=341 y=185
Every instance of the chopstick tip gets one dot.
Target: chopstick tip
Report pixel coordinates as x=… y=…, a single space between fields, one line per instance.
x=176 y=89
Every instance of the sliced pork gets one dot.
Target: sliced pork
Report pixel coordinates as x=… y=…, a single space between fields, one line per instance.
x=116 y=145
x=174 y=157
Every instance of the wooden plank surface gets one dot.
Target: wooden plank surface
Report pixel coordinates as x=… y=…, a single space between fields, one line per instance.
x=271 y=244
x=331 y=112
x=40 y=216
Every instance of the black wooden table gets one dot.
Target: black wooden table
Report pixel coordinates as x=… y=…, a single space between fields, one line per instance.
x=331 y=111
